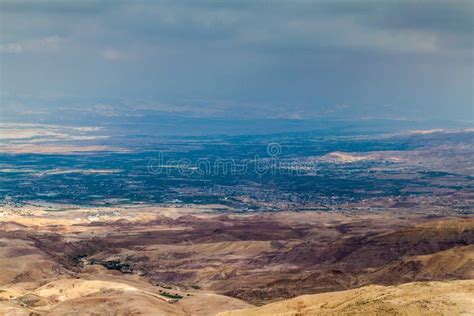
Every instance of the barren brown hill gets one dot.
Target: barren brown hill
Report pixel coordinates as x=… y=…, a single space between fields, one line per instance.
x=454 y=263
x=419 y=298
x=54 y=262
x=381 y=258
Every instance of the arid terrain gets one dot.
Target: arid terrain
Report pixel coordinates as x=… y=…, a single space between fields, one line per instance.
x=190 y=260
x=226 y=157
x=420 y=298
x=334 y=225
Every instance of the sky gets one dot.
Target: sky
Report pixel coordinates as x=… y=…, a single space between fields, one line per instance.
x=297 y=59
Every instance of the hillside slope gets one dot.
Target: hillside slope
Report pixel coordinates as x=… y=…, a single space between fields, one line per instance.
x=419 y=298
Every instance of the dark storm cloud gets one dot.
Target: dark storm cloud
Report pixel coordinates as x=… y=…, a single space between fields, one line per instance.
x=444 y=16
x=453 y=21
x=56 y=7
x=295 y=58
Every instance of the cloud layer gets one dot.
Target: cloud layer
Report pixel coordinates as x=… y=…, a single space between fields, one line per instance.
x=397 y=59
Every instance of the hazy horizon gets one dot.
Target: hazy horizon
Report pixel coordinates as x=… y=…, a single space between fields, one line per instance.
x=349 y=60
